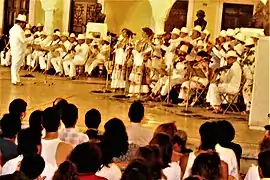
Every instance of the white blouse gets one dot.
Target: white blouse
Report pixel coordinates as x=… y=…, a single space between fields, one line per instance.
x=111 y=173
x=173 y=172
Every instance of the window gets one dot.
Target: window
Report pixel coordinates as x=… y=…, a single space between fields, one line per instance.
x=236 y=15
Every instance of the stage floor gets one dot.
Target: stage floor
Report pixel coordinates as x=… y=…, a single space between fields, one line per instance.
x=40 y=95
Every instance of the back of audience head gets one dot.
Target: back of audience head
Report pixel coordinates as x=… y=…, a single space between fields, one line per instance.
x=136 y=112
x=92 y=119
x=137 y=170
x=32 y=166
x=35 y=120
x=10 y=126
x=86 y=157
x=18 y=108
x=265 y=144
x=66 y=171
x=114 y=141
x=207 y=165
x=165 y=144
x=264 y=164
x=69 y=115
x=208 y=135
x=226 y=132
x=29 y=142
x=59 y=104
x=194 y=178
x=51 y=120
x=168 y=128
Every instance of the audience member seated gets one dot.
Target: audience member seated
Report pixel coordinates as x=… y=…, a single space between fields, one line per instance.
x=171 y=170
x=35 y=121
x=137 y=170
x=115 y=142
x=227 y=134
x=264 y=164
x=29 y=168
x=137 y=134
x=152 y=156
x=207 y=166
x=208 y=144
x=59 y=104
x=194 y=178
x=54 y=151
x=18 y=108
x=167 y=128
x=92 y=122
x=69 y=134
x=29 y=144
x=179 y=142
x=87 y=158
x=66 y=171
x=253 y=172
x=10 y=128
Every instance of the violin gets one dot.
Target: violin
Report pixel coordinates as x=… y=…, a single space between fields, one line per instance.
x=223 y=68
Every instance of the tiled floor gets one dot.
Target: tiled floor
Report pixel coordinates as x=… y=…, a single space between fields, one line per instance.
x=40 y=95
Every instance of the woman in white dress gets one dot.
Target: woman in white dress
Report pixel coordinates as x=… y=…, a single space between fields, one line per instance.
x=121 y=52
x=140 y=74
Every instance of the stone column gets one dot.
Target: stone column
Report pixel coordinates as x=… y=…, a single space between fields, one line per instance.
x=49 y=7
x=2 y=4
x=32 y=7
x=66 y=15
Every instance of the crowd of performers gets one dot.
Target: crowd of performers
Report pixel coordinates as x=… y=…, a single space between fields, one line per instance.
x=182 y=60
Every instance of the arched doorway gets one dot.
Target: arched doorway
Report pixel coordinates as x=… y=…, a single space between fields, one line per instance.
x=12 y=9
x=177 y=16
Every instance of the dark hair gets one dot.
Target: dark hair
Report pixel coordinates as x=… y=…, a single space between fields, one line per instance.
x=55 y=30
x=226 y=132
x=207 y=165
x=35 y=120
x=28 y=140
x=17 y=107
x=137 y=170
x=264 y=163
x=136 y=112
x=32 y=166
x=178 y=140
x=265 y=144
x=10 y=125
x=86 y=157
x=59 y=104
x=165 y=144
x=152 y=156
x=208 y=135
x=129 y=32
x=92 y=119
x=69 y=115
x=66 y=171
x=114 y=141
x=148 y=31
x=51 y=120
x=167 y=128
x=194 y=178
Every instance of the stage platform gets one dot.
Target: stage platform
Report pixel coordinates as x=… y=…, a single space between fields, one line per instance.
x=40 y=95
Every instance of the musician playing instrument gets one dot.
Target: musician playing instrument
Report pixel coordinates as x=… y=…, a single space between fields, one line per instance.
x=65 y=47
x=228 y=83
x=196 y=35
x=248 y=64
x=121 y=51
x=5 y=59
x=28 y=41
x=140 y=75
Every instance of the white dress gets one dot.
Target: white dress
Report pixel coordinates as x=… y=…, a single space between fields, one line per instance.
x=173 y=172
x=112 y=172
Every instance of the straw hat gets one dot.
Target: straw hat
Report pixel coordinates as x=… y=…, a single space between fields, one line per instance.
x=206 y=32
x=28 y=26
x=81 y=37
x=184 y=30
x=176 y=31
x=184 y=48
x=27 y=32
x=89 y=36
x=65 y=33
x=57 y=33
x=197 y=28
x=222 y=33
x=231 y=54
x=230 y=32
x=240 y=37
x=39 y=25
x=249 y=42
x=158 y=34
x=21 y=17
x=72 y=35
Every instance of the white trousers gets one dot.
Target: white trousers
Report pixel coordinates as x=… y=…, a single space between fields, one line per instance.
x=45 y=61
x=57 y=64
x=17 y=61
x=168 y=85
x=94 y=64
x=215 y=91
x=7 y=60
x=70 y=66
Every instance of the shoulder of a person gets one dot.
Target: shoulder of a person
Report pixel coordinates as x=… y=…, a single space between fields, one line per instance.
x=65 y=145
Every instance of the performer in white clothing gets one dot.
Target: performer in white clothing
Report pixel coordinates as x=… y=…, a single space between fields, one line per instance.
x=229 y=82
x=17 y=47
x=80 y=57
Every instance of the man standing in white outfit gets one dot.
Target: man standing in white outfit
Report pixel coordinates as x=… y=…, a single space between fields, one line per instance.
x=17 y=47
x=81 y=55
